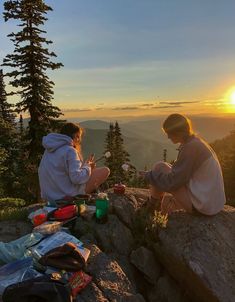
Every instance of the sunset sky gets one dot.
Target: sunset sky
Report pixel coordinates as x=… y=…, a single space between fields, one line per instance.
x=140 y=57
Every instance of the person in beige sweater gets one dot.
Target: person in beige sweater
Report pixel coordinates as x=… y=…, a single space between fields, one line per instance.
x=194 y=182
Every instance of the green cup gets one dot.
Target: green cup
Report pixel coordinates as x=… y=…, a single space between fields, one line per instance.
x=102 y=206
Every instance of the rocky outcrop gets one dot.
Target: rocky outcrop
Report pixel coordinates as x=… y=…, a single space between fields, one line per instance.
x=145 y=261
x=11 y=230
x=109 y=280
x=192 y=259
x=199 y=252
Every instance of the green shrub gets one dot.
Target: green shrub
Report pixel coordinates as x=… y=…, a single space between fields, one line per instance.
x=13 y=214
x=9 y=202
x=146 y=225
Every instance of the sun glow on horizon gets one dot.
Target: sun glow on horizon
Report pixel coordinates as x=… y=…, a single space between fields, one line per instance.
x=229 y=100
x=232 y=97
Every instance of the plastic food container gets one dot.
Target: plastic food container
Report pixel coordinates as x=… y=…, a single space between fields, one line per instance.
x=39 y=219
x=65 y=212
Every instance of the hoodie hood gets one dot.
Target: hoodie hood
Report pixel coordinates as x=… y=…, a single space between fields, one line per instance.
x=53 y=141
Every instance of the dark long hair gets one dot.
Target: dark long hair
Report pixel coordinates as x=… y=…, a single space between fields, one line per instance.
x=71 y=130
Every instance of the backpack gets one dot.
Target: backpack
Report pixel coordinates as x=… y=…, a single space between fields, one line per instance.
x=47 y=288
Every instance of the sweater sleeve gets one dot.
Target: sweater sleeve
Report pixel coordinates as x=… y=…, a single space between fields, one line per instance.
x=180 y=174
x=78 y=173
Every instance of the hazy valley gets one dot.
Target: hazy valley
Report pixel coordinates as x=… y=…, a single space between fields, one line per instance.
x=145 y=141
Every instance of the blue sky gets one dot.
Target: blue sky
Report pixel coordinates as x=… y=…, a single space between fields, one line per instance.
x=140 y=57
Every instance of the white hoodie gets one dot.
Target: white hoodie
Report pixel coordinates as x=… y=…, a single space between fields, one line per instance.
x=61 y=172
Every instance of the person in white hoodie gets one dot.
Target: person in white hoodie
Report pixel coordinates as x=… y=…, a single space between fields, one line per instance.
x=194 y=182
x=62 y=170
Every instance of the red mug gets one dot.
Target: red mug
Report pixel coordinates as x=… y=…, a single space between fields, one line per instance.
x=119 y=188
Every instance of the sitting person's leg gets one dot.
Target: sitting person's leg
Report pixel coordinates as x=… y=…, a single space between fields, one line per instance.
x=156 y=195
x=165 y=168
x=177 y=200
x=98 y=176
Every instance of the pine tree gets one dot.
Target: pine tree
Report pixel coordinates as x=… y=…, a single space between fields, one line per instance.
x=21 y=127
x=109 y=145
x=7 y=140
x=6 y=109
x=119 y=156
x=30 y=61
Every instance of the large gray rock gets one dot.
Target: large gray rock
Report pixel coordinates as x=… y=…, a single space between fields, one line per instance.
x=166 y=290
x=199 y=252
x=129 y=269
x=114 y=236
x=91 y=294
x=125 y=206
x=12 y=229
x=145 y=261
x=110 y=278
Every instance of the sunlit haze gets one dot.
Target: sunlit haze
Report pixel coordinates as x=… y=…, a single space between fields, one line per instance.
x=133 y=58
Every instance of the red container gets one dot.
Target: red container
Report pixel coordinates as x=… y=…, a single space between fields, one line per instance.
x=66 y=212
x=39 y=219
x=119 y=188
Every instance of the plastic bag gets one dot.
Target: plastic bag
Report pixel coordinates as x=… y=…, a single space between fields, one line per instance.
x=17 y=249
x=42 y=211
x=17 y=271
x=56 y=240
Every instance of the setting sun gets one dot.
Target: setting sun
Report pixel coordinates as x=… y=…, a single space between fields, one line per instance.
x=232 y=97
x=229 y=100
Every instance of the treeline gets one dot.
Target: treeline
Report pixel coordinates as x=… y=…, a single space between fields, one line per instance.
x=26 y=67
x=225 y=149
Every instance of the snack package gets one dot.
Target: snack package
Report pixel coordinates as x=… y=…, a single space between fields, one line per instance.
x=78 y=281
x=48 y=227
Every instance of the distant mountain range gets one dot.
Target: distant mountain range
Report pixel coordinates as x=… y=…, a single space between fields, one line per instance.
x=210 y=128
x=145 y=140
x=143 y=152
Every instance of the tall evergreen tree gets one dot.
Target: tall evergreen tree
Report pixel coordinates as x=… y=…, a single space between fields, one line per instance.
x=21 y=127
x=7 y=140
x=109 y=146
x=119 y=156
x=30 y=61
x=6 y=109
